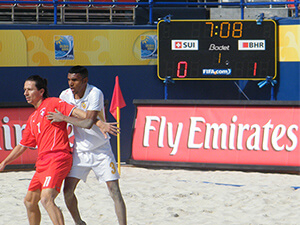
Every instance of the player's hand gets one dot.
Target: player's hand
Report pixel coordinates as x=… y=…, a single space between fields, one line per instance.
x=56 y=116
x=110 y=128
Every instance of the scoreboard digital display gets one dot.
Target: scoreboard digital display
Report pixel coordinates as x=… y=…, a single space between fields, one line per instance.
x=217 y=49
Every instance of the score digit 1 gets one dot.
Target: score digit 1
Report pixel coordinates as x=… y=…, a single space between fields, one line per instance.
x=182 y=65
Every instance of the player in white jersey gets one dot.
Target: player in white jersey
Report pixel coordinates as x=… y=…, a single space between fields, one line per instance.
x=92 y=149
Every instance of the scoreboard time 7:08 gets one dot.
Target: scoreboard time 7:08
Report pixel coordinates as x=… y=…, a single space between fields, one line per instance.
x=217 y=49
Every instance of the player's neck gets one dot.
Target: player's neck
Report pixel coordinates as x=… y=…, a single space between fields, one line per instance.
x=36 y=105
x=80 y=94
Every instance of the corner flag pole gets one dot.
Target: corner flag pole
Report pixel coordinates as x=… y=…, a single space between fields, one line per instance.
x=118 y=141
x=117 y=103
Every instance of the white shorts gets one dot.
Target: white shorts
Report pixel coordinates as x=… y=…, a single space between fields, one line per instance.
x=101 y=161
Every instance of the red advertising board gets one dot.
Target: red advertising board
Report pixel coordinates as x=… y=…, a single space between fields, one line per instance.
x=218 y=134
x=13 y=121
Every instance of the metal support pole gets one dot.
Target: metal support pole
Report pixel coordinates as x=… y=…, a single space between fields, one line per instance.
x=242 y=9
x=55 y=11
x=151 y=12
x=167 y=81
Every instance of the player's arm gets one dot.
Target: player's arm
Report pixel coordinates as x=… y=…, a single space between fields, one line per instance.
x=15 y=153
x=86 y=123
x=89 y=116
x=84 y=119
x=104 y=127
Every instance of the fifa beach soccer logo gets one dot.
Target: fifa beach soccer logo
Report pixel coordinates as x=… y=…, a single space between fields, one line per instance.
x=64 y=47
x=148 y=46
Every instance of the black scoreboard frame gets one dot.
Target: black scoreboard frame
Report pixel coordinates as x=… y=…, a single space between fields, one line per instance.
x=217 y=49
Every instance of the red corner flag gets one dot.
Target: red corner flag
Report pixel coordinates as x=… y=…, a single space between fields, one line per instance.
x=117 y=100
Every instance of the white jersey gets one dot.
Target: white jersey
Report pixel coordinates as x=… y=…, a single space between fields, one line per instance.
x=93 y=99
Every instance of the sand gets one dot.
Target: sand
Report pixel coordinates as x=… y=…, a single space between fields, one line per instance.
x=170 y=197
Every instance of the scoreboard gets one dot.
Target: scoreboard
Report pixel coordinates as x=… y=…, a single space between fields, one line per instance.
x=217 y=49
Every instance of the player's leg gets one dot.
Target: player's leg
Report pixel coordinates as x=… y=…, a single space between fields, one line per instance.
x=71 y=200
x=31 y=201
x=59 y=166
x=48 y=201
x=78 y=172
x=107 y=171
x=120 y=208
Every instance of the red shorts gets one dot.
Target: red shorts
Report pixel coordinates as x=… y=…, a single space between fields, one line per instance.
x=51 y=170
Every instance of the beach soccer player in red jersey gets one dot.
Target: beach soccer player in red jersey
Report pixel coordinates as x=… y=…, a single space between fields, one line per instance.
x=54 y=153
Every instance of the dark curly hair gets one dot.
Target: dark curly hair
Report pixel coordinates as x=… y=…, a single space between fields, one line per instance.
x=79 y=69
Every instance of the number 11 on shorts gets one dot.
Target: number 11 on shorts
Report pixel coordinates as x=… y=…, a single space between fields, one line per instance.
x=47 y=181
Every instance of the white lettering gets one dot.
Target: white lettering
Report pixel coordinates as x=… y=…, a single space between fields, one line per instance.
x=241 y=128
x=214 y=47
x=7 y=137
x=253 y=140
x=266 y=128
x=292 y=137
x=281 y=129
x=149 y=128
x=184 y=45
x=161 y=132
x=193 y=129
x=18 y=132
x=215 y=136
x=174 y=144
x=216 y=129
x=232 y=133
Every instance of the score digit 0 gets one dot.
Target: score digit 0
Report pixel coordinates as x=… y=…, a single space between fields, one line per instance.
x=179 y=66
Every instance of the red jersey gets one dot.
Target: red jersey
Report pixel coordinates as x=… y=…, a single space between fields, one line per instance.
x=41 y=133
